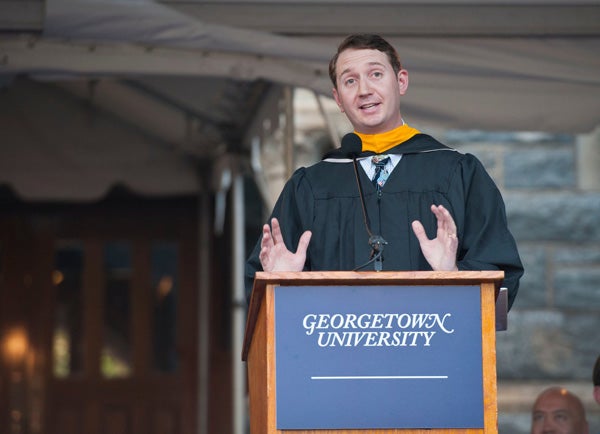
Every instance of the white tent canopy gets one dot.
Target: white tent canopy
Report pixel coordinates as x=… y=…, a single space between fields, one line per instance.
x=466 y=72
x=190 y=75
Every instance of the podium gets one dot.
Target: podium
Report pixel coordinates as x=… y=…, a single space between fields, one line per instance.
x=372 y=352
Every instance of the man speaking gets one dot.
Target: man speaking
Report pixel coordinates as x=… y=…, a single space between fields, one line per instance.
x=393 y=198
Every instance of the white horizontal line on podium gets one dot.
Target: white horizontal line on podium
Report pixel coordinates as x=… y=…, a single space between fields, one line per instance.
x=383 y=377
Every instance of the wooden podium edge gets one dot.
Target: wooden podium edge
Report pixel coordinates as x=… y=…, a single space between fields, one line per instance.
x=488 y=354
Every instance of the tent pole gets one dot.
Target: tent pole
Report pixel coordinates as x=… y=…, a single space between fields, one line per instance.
x=288 y=137
x=204 y=282
x=331 y=130
x=238 y=306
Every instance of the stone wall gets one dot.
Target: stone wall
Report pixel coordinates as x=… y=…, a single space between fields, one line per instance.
x=554 y=327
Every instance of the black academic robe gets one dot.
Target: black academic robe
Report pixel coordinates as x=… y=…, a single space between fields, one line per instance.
x=324 y=198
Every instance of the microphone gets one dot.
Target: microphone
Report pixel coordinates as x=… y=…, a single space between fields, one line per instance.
x=351 y=147
x=377 y=243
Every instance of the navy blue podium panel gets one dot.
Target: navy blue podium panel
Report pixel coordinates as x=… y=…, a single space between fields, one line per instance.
x=377 y=357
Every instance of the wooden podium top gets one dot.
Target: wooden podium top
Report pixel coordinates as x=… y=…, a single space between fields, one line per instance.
x=345 y=278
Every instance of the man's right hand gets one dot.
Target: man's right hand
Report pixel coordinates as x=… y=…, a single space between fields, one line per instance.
x=275 y=256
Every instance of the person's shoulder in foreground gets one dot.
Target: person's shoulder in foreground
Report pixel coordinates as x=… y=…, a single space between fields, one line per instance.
x=596 y=380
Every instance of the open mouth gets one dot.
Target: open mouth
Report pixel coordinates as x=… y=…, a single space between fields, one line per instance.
x=369 y=106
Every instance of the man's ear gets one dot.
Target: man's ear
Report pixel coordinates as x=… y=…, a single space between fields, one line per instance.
x=597 y=394
x=403 y=81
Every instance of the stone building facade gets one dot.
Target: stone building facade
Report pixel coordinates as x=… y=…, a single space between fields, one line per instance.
x=552 y=195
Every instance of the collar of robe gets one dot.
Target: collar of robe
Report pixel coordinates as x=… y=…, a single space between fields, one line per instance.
x=382 y=142
x=419 y=143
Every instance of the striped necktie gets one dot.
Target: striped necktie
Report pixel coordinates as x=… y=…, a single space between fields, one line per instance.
x=381 y=174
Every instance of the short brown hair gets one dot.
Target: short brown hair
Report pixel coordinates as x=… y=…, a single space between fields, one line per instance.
x=360 y=41
x=596 y=373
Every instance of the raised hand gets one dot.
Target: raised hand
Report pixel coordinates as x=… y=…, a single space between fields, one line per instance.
x=275 y=256
x=440 y=252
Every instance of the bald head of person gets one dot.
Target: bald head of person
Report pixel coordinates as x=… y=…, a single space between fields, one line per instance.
x=556 y=410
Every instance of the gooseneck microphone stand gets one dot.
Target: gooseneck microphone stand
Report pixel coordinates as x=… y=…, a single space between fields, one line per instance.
x=376 y=242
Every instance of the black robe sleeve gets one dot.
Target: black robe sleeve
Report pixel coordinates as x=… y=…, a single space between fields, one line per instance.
x=485 y=240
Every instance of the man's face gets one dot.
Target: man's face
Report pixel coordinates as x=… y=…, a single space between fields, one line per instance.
x=368 y=91
x=556 y=412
